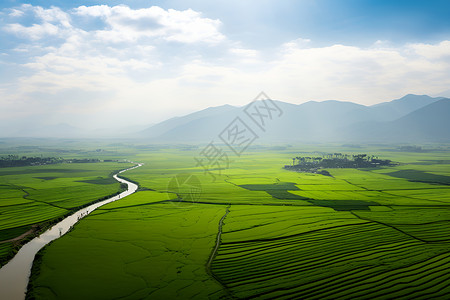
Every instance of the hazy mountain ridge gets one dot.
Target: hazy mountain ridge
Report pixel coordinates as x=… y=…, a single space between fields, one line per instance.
x=410 y=118
x=172 y=123
x=395 y=109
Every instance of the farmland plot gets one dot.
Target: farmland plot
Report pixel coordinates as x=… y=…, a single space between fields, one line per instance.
x=31 y=197
x=258 y=231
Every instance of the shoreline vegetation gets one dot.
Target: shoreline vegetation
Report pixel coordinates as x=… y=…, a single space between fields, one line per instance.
x=15 y=276
x=40 y=227
x=11 y=161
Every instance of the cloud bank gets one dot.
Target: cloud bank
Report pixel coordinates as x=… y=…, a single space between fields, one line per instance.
x=93 y=65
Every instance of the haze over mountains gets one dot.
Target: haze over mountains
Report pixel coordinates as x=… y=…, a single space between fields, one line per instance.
x=412 y=118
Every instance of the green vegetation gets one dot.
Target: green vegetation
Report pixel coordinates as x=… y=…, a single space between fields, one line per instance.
x=141 y=248
x=16 y=161
x=326 y=255
x=421 y=176
x=34 y=197
x=369 y=233
x=336 y=160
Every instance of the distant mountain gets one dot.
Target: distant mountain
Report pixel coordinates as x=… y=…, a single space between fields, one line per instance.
x=445 y=94
x=427 y=124
x=430 y=123
x=412 y=118
x=165 y=128
x=119 y=132
x=392 y=110
x=314 y=118
x=327 y=121
x=61 y=130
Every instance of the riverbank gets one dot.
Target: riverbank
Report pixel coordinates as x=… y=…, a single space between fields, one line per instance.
x=15 y=274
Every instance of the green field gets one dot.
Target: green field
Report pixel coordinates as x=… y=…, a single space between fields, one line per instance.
x=139 y=247
x=360 y=234
x=33 y=197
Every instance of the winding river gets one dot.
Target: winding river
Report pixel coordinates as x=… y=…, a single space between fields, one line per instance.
x=15 y=274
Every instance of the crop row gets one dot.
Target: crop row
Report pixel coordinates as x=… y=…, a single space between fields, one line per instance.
x=20 y=215
x=430 y=232
x=302 y=250
x=375 y=282
x=302 y=265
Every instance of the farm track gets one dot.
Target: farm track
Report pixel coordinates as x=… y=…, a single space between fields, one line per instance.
x=214 y=253
x=23 y=235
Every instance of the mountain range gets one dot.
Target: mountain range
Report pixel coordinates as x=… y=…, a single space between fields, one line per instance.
x=412 y=118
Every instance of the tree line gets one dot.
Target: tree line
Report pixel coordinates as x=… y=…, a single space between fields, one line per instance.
x=22 y=161
x=336 y=160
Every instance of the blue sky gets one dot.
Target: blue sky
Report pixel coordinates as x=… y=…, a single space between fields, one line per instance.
x=87 y=63
x=357 y=22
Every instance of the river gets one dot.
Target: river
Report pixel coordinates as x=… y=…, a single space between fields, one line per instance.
x=15 y=274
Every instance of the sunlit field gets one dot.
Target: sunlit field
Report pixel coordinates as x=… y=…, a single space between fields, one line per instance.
x=224 y=150
x=33 y=197
x=259 y=231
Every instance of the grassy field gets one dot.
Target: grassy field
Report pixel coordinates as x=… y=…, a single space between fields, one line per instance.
x=360 y=234
x=32 y=197
x=141 y=248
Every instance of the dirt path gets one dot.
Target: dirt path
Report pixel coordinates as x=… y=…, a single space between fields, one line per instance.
x=23 y=235
x=214 y=253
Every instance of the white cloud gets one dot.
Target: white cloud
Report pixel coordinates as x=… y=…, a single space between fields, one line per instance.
x=246 y=56
x=126 y=24
x=382 y=44
x=16 y=13
x=441 y=50
x=93 y=11
x=129 y=63
x=123 y=24
x=34 y=32
x=295 y=44
x=248 y=53
x=54 y=22
x=53 y=15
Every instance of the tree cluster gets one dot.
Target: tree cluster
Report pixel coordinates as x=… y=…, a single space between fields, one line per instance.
x=336 y=160
x=22 y=161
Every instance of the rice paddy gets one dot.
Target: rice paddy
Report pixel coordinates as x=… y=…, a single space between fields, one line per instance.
x=260 y=232
x=32 y=197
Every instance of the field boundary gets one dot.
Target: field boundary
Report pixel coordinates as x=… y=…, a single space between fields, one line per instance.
x=214 y=252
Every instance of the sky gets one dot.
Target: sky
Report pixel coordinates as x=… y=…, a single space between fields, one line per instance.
x=107 y=64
